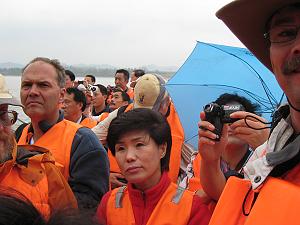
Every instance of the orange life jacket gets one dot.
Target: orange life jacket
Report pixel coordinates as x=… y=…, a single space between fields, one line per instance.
x=276 y=203
x=103 y=116
x=58 y=139
x=32 y=172
x=177 y=133
x=88 y=122
x=130 y=92
x=174 y=207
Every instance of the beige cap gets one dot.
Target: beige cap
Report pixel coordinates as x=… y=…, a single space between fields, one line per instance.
x=149 y=91
x=5 y=96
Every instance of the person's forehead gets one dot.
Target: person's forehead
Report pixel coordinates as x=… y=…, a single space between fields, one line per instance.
x=119 y=75
x=41 y=70
x=288 y=14
x=69 y=96
x=117 y=94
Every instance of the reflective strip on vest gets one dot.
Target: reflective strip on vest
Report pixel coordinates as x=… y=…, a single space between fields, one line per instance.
x=124 y=215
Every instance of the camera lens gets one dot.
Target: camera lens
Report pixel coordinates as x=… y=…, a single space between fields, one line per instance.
x=93 y=89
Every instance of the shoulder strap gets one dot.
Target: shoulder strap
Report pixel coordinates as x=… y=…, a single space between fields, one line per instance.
x=281 y=112
x=19 y=131
x=121 y=110
x=119 y=196
x=178 y=195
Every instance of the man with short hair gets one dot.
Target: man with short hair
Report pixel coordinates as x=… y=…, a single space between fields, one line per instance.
x=269 y=192
x=119 y=98
x=70 y=78
x=99 y=101
x=135 y=75
x=29 y=170
x=121 y=81
x=74 y=105
x=90 y=79
x=83 y=159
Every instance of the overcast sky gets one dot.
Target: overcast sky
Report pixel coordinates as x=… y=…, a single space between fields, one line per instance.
x=123 y=33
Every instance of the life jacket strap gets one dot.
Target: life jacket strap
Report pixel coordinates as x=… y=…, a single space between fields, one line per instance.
x=178 y=195
x=119 y=196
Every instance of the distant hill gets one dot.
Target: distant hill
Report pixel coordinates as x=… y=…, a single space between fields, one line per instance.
x=103 y=70
x=8 y=65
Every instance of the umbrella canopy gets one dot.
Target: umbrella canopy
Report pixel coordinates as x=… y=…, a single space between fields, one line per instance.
x=212 y=70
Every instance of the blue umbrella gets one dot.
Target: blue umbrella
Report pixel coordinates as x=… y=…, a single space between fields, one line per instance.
x=212 y=70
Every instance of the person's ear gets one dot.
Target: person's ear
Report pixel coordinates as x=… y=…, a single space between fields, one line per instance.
x=163 y=150
x=62 y=95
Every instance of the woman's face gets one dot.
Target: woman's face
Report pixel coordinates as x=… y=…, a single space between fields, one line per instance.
x=138 y=157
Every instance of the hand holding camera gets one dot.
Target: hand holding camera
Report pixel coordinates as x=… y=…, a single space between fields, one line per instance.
x=219 y=115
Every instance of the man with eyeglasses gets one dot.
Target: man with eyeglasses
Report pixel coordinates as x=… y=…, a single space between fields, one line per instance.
x=269 y=193
x=29 y=170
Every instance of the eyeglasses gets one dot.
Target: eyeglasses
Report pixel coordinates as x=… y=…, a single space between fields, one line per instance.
x=8 y=118
x=282 y=34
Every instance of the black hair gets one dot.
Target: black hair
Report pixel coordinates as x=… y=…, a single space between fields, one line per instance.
x=70 y=74
x=124 y=95
x=102 y=89
x=248 y=105
x=125 y=72
x=16 y=209
x=138 y=72
x=79 y=96
x=92 y=77
x=142 y=119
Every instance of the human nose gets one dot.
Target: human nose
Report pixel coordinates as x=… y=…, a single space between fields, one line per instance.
x=296 y=44
x=33 y=90
x=130 y=155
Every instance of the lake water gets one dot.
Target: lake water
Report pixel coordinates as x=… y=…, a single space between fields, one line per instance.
x=13 y=84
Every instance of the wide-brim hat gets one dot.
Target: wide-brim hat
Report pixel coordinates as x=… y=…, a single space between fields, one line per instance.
x=247 y=20
x=5 y=96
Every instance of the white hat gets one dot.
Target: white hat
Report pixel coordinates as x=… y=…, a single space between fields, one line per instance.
x=5 y=96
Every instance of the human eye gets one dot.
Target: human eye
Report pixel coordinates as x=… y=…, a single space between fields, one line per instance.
x=140 y=144
x=119 y=148
x=44 y=85
x=25 y=85
x=283 y=33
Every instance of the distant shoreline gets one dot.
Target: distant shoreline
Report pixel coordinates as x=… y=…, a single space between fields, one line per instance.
x=81 y=72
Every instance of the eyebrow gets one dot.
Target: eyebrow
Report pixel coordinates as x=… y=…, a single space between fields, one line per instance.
x=281 y=21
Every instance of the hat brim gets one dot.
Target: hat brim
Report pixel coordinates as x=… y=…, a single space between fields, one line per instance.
x=136 y=105
x=9 y=101
x=247 y=20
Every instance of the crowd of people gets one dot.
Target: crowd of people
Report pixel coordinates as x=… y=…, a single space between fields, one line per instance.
x=114 y=155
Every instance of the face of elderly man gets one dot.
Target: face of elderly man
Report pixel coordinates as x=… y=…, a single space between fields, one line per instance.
x=285 y=51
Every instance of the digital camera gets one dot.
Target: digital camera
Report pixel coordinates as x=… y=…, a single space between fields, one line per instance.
x=219 y=115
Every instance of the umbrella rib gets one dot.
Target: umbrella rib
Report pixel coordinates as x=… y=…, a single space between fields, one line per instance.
x=265 y=87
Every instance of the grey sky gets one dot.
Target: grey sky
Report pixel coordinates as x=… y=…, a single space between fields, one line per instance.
x=124 y=33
